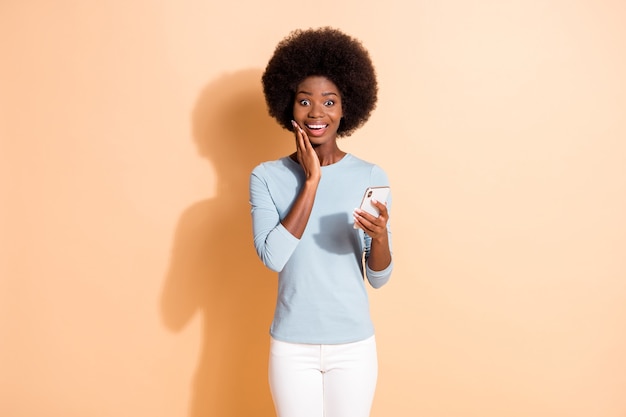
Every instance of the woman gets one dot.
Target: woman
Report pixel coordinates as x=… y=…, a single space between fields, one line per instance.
x=321 y=84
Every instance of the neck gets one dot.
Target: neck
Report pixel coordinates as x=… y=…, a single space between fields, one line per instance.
x=329 y=155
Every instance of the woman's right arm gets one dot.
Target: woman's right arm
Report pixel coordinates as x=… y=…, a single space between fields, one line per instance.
x=276 y=239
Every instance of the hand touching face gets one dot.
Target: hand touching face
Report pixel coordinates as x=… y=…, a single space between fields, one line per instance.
x=306 y=155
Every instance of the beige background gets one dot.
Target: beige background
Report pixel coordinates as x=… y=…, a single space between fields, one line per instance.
x=128 y=282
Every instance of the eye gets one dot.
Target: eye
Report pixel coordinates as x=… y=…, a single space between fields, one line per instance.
x=329 y=103
x=304 y=102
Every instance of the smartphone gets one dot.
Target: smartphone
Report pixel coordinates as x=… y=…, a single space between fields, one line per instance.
x=374 y=193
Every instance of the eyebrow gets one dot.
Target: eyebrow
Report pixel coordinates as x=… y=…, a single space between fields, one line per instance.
x=328 y=93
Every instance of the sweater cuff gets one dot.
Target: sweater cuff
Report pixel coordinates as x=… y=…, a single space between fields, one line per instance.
x=286 y=234
x=379 y=278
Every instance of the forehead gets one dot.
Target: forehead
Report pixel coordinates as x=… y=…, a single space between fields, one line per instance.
x=317 y=84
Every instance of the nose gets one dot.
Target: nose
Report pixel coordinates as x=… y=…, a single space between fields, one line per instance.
x=316 y=110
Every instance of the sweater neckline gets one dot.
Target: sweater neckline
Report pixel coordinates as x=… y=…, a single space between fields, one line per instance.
x=325 y=167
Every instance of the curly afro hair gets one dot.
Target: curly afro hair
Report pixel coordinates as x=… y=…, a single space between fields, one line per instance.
x=323 y=52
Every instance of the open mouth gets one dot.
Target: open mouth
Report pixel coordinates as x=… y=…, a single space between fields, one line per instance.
x=316 y=127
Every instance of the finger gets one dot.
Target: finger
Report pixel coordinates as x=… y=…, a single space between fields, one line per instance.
x=370 y=228
x=300 y=143
x=378 y=220
x=305 y=139
x=361 y=222
x=297 y=131
x=382 y=208
x=367 y=221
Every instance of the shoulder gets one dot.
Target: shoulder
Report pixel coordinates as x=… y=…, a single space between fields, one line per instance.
x=376 y=173
x=273 y=167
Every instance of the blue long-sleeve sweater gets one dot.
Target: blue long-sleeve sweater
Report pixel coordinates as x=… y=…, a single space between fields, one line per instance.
x=322 y=297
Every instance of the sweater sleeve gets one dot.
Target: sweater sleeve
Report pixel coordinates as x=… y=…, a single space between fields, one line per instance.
x=274 y=244
x=379 y=278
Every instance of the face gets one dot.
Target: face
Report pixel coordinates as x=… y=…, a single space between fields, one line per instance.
x=317 y=109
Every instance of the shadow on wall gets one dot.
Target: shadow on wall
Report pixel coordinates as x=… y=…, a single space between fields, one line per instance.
x=214 y=270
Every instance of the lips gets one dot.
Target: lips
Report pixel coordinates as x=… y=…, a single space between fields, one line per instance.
x=316 y=130
x=316 y=127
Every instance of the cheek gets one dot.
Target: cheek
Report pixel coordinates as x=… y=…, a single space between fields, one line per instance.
x=339 y=113
x=296 y=110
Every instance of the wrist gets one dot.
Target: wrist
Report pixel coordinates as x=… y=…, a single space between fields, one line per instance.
x=312 y=181
x=382 y=240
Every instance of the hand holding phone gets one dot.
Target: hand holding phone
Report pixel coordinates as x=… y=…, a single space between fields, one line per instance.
x=374 y=193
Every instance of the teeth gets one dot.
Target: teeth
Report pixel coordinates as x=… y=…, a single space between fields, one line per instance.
x=316 y=126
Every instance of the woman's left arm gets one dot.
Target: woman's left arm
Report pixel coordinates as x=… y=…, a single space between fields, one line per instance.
x=376 y=227
x=379 y=261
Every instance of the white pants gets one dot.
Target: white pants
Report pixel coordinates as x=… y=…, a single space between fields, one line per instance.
x=323 y=380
